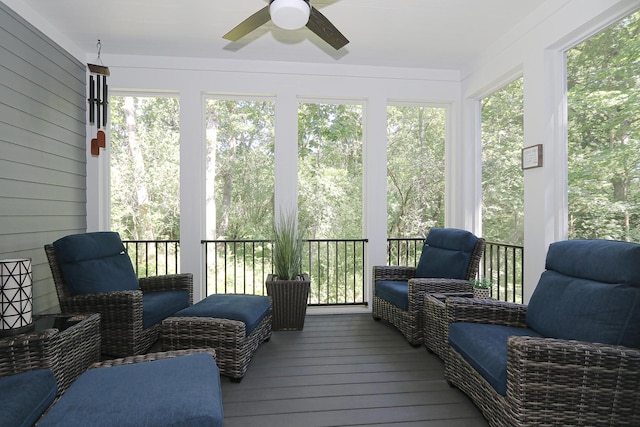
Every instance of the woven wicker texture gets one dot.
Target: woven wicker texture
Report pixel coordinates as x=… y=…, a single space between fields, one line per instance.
x=435 y=324
x=234 y=349
x=121 y=327
x=290 y=298
x=68 y=353
x=149 y=357
x=549 y=381
x=410 y=322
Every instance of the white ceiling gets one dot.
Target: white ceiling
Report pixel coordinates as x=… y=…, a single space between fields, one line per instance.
x=447 y=34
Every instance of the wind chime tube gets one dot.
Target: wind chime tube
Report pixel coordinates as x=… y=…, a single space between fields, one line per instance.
x=91 y=95
x=104 y=101
x=98 y=101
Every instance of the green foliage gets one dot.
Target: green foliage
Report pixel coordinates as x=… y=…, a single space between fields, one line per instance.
x=604 y=143
x=502 y=175
x=330 y=169
x=604 y=137
x=240 y=168
x=483 y=283
x=145 y=162
x=415 y=169
x=287 y=247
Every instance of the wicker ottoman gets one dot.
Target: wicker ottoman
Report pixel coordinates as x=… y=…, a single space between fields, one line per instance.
x=234 y=325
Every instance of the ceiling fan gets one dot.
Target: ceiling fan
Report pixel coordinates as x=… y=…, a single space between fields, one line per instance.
x=290 y=15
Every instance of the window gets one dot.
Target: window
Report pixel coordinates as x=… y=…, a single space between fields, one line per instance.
x=239 y=193
x=330 y=169
x=330 y=142
x=415 y=169
x=502 y=175
x=145 y=162
x=603 y=81
x=239 y=168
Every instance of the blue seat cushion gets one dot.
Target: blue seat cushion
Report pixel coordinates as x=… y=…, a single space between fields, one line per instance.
x=394 y=292
x=157 y=306
x=485 y=348
x=179 y=392
x=248 y=309
x=24 y=397
x=446 y=253
x=95 y=263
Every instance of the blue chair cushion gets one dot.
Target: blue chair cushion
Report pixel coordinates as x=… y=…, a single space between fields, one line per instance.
x=249 y=309
x=574 y=308
x=95 y=263
x=24 y=397
x=179 y=392
x=394 y=292
x=606 y=261
x=446 y=253
x=485 y=348
x=157 y=306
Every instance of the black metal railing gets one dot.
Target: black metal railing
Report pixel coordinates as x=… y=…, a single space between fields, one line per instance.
x=154 y=257
x=335 y=267
x=501 y=264
x=404 y=251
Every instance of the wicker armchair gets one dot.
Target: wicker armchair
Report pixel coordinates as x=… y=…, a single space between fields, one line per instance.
x=555 y=374
x=449 y=259
x=122 y=327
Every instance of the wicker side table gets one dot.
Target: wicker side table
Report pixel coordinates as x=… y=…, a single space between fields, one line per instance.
x=435 y=326
x=66 y=344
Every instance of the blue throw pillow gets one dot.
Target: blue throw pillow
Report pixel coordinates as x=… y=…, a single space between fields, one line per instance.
x=446 y=253
x=95 y=263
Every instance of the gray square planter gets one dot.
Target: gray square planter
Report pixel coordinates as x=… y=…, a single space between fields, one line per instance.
x=289 y=299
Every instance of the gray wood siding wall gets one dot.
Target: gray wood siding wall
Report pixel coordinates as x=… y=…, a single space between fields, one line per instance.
x=42 y=148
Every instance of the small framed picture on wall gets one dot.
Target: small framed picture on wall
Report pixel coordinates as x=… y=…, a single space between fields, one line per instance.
x=532 y=157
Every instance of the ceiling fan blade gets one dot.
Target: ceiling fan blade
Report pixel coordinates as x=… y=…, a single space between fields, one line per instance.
x=259 y=18
x=320 y=25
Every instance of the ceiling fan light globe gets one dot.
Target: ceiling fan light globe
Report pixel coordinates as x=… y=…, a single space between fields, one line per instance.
x=289 y=14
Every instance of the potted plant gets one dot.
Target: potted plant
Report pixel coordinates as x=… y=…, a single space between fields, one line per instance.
x=288 y=287
x=481 y=288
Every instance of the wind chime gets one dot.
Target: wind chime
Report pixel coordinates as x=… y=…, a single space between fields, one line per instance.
x=98 y=101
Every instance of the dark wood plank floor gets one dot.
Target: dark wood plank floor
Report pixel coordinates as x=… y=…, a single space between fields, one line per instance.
x=344 y=370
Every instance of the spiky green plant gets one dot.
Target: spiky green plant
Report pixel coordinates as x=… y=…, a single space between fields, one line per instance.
x=287 y=251
x=483 y=283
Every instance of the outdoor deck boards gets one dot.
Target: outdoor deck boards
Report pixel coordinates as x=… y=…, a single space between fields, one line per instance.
x=345 y=370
